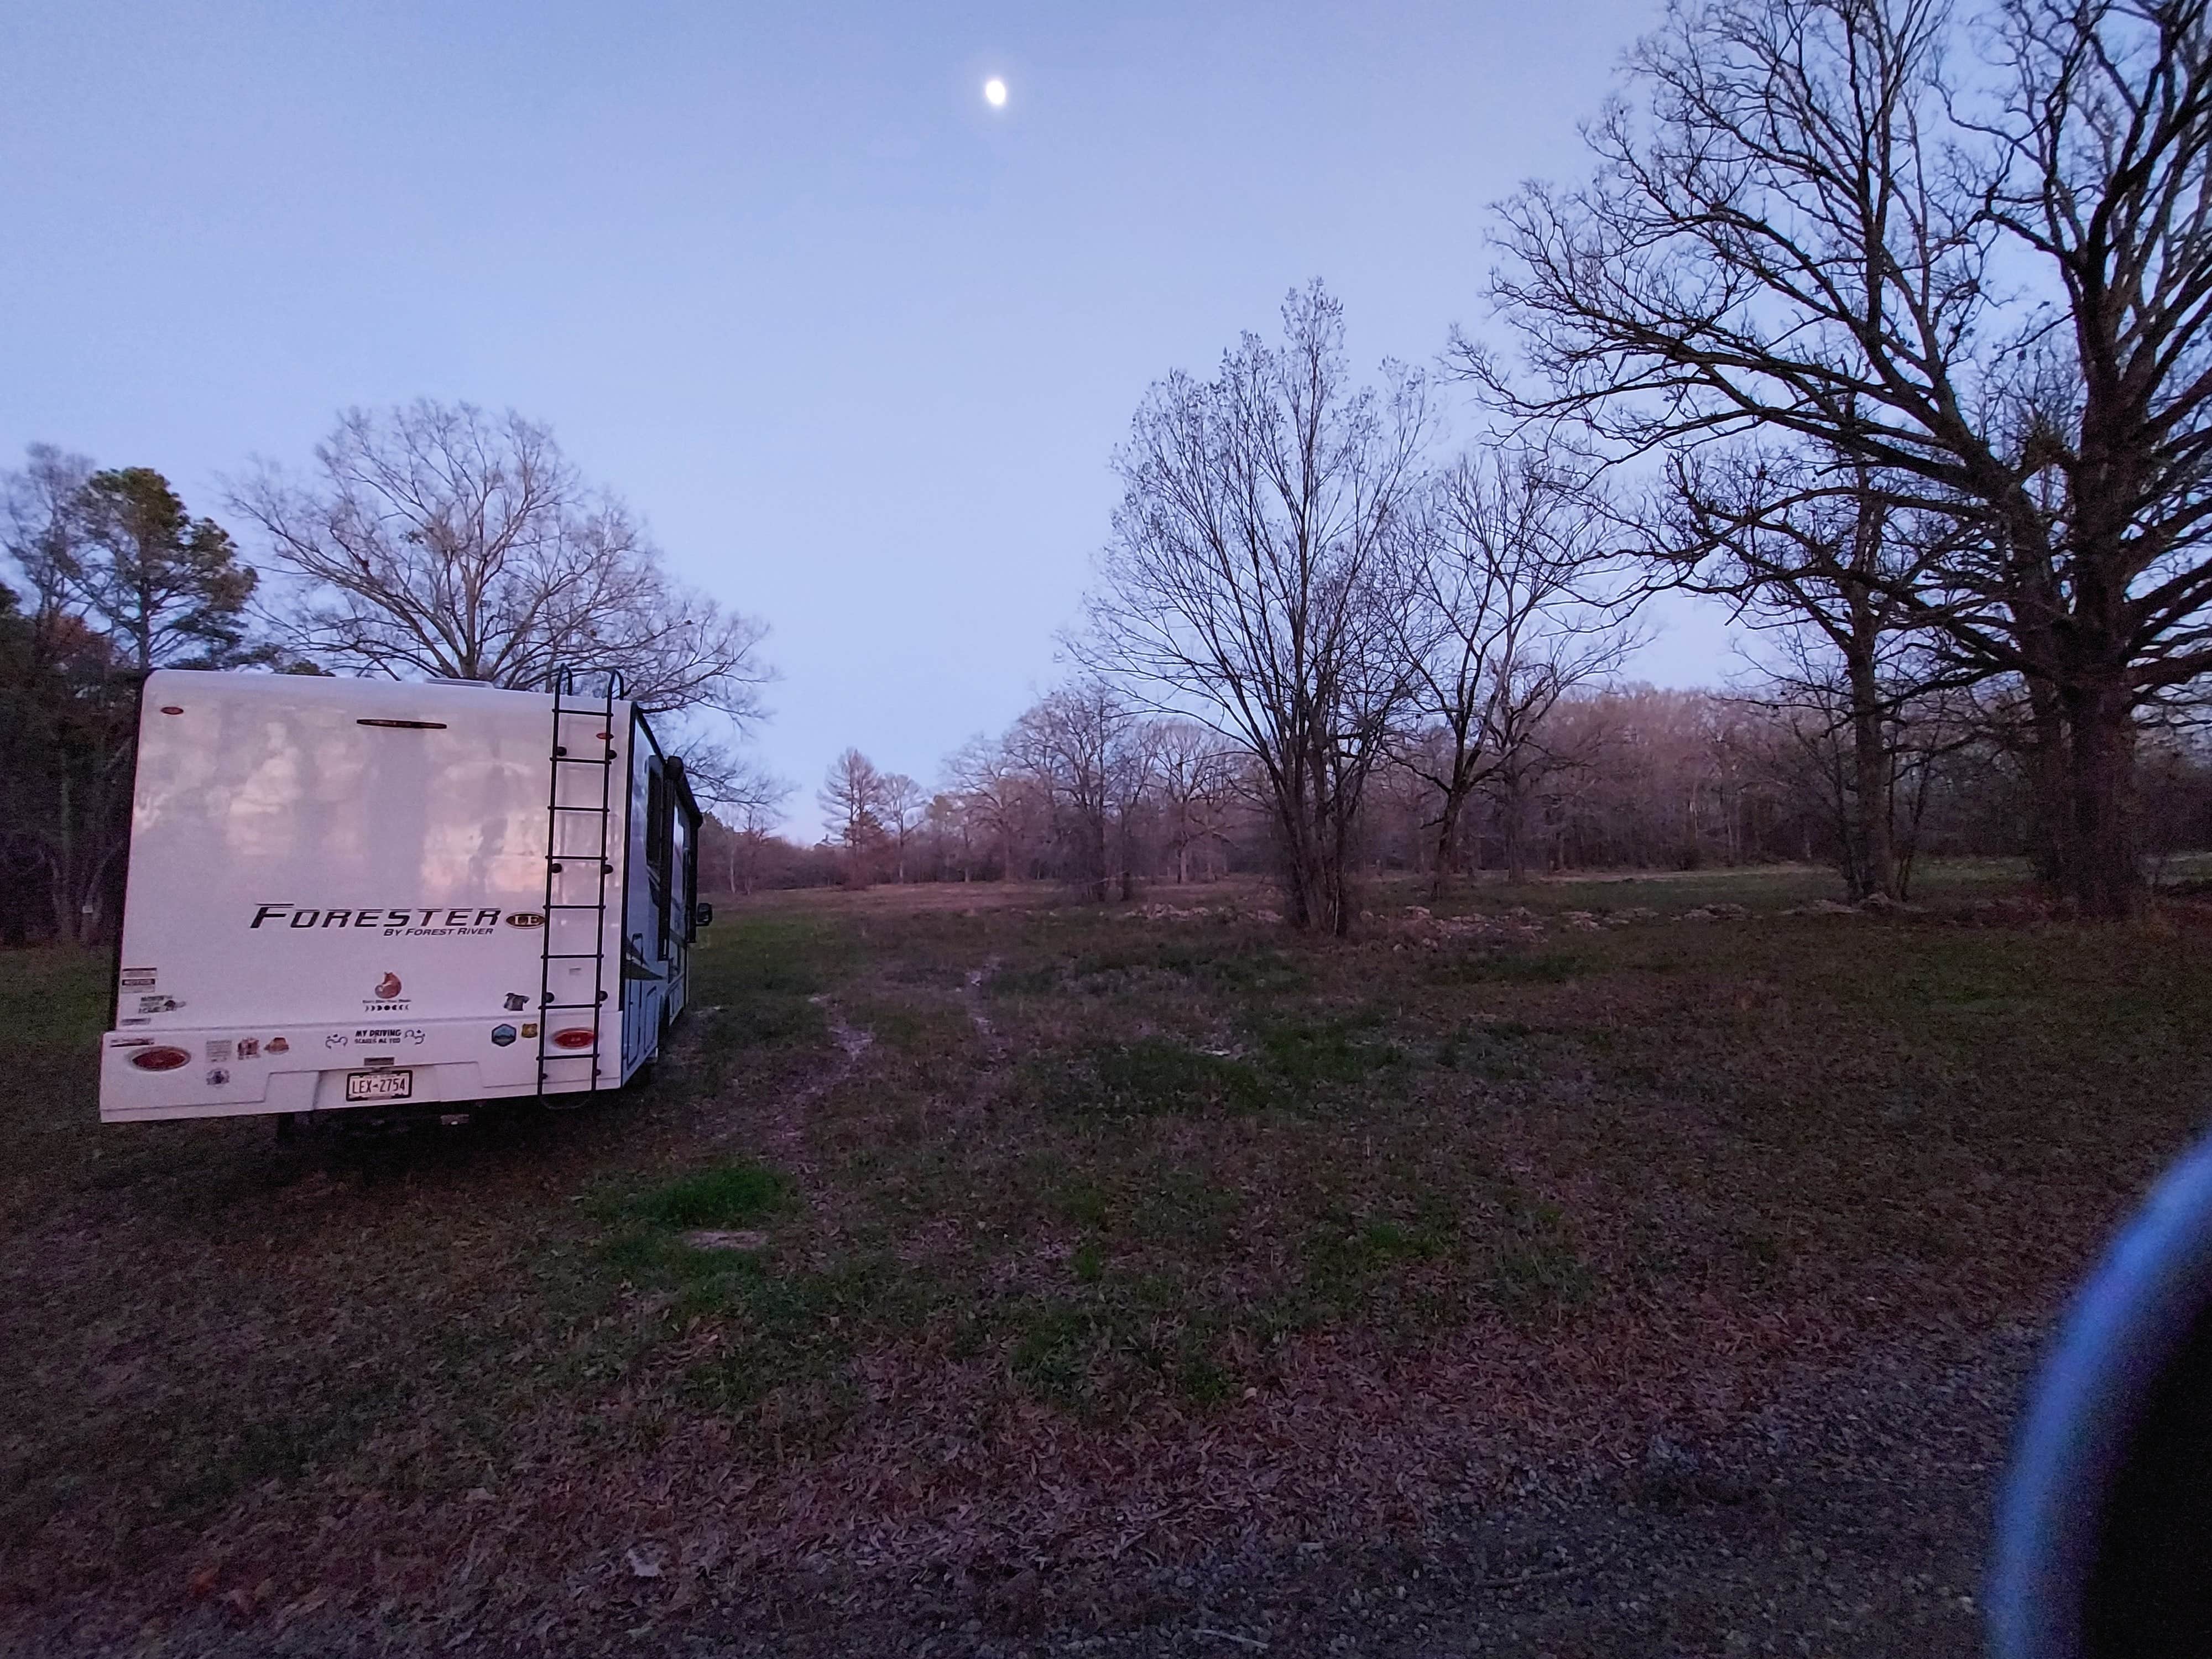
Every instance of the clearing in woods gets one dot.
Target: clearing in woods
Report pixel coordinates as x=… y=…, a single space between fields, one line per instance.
x=989 y=1273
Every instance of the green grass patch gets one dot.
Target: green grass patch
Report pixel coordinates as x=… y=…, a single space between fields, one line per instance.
x=1145 y=1076
x=925 y=1034
x=1540 y=1279
x=1099 y=1352
x=1185 y=1207
x=1230 y=968
x=1034 y=981
x=1514 y=968
x=1317 y=1055
x=1534 y=1273
x=56 y=998
x=1496 y=1051
x=726 y=1196
x=1290 y=1062
x=756 y=976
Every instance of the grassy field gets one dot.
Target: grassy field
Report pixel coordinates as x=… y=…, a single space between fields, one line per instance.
x=990 y=1271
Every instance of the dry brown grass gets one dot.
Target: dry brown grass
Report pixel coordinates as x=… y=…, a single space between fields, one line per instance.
x=1120 y=1243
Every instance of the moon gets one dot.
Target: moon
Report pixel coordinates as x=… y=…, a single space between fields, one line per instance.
x=995 y=93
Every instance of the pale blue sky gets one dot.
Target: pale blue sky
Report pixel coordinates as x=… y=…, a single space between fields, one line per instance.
x=858 y=347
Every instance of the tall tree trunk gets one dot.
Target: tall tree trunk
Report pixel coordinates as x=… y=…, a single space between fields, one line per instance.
x=1447 y=841
x=1299 y=888
x=1294 y=823
x=2105 y=876
x=15 y=923
x=1510 y=805
x=1339 y=871
x=66 y=921
x=1874 y=870
x=2051 y=827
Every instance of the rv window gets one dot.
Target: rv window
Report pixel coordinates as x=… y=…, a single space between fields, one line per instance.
x=690 y=883
x=660 y=799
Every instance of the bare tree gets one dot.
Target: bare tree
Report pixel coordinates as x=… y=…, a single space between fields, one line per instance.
x=1827 y=557
x=1873 y=778
x=745 y=797
x=1001 y=798
x=852 y=802
x=1505 y=603
x=1244 y=581
x=437 y=540
x=903 y=803
x=752 y=827
x=951 y=821
x=1133 y=770
x=1197 y=782
x=1071 y=742
x=1994 y=302
x=722 y=780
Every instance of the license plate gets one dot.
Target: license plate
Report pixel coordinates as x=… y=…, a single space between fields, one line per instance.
x=379 y=1085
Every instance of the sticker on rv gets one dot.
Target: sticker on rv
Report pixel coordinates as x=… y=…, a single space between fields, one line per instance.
x=525 y=918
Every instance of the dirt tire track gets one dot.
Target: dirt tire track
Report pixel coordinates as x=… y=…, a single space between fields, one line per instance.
x=786 y=1125
x=971 y=999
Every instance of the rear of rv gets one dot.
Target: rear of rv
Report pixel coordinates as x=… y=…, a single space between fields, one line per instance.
x=347 y=894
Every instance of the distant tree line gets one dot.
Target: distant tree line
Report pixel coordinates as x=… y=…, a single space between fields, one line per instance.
x=1086 y=791
x=429 y=541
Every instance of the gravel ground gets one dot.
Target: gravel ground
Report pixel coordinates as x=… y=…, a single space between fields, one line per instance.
x=1850 y=1518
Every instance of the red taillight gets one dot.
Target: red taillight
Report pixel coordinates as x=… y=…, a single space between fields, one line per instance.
x=161 y=1060
x=576 y=1036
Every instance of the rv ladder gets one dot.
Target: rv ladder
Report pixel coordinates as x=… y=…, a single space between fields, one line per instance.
x=568 y=818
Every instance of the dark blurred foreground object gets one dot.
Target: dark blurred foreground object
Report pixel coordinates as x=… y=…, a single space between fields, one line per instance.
x=2104 y=1527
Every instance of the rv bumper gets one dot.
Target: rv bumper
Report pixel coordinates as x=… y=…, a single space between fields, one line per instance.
x=241 y=1073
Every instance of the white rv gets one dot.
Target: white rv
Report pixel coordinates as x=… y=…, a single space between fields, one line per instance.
x=347 y=894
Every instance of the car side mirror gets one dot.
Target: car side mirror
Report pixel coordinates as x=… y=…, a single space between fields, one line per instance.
x=702 y=915
x=2106 y=1518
